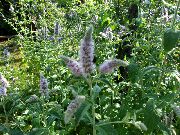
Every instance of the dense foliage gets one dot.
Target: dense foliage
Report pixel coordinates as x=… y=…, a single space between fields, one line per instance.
x=40 y=95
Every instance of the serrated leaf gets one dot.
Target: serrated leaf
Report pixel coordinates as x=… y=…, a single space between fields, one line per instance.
x=126 y=118
x=133 y=72
x=106 y=130
x=81 y=112
x=96 y=89
x=176 y=109
x=149 y=69
x=39 y=131
x=106 y=82
x=16 y=132
x=3 y=128
x=51 y=119
x=170 y=39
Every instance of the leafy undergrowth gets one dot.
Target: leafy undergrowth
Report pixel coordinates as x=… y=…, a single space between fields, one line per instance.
x=64 y=78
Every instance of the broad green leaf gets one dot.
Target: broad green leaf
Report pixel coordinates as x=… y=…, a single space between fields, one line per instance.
x=3 y=128
x=126 y=118
x=170 y=39
x=106 y=82
x=133 y=72
x=96 y=89
x=176 y=109
x=51 y=119
x=106 y=130
x=39 y=131
x=149 y=69
x=16 y=132
x=81 y=112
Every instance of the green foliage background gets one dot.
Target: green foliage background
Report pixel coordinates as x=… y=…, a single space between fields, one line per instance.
x=148 y=98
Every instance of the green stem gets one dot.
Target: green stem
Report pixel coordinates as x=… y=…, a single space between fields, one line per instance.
x=114 y=122
x=4 y=108
x=93 y=106
x=175 y=15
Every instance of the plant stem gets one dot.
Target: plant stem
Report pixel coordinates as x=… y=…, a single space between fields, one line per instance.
x=93 y=106
x=175 y=15
x=4 y=108
x=114 y=122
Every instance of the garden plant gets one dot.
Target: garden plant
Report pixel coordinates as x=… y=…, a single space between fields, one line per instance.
x=90 y=67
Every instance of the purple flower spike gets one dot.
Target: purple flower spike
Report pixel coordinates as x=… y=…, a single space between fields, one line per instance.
x=73 y=107
x=3 y=91
x=87 y=52
x=56 y=28
x=73 y=65
x=43 y=86
x=109 y=65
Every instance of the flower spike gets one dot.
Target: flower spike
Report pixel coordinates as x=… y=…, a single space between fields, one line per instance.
x=109 y=65
x=73 y=107
x=73 y=65
x=87 y=52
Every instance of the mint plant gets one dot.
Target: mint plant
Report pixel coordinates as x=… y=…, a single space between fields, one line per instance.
x=84 y=68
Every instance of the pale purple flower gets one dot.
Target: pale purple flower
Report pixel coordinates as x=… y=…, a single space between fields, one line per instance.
x=73 y=107
x=4 y=82
x=87 y=52
x=3 y=91
x=32 y=98
x=56 y=28
x=109 y=65
x=43 y=86
x=108 y=34
x=73 y=65
x=6 y=52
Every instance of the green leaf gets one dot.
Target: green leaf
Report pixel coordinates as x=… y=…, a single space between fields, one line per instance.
x=3 y=128
x=106 y=130
x=39 y=131
x=133 y=72
x=16 y=132
x=170 y=39
x=82 y=112
x=96 y=89
x=106 y=82
x=149 y=69
x=176 y=109
x=51 y=119
x=140 y=125
x=127 y=117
